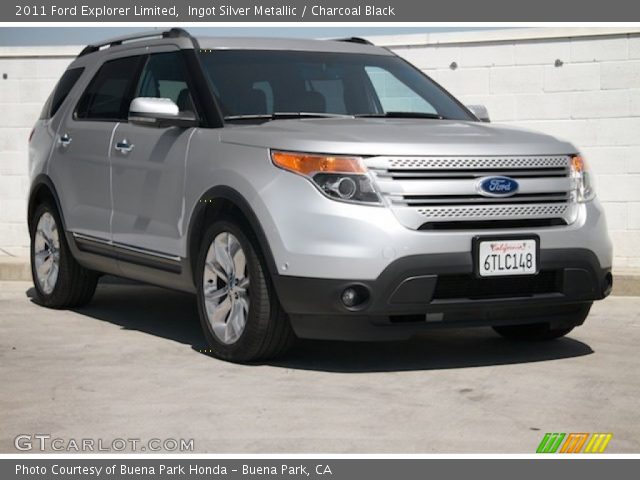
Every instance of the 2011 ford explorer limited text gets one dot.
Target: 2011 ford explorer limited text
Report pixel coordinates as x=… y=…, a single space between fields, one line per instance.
x=302 y=188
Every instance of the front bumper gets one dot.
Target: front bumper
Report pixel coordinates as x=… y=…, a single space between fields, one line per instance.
x=310 y=235
x=417 y=280
x=420 y=292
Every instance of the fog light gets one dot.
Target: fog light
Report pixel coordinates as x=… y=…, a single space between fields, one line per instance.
x=350 y=297
x=354 y=296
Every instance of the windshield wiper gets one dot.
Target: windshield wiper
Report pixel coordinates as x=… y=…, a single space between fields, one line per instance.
x=433 y=116
x=285 y=115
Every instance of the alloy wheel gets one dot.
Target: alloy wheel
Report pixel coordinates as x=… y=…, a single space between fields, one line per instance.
x=226 y=288
x=46 y=253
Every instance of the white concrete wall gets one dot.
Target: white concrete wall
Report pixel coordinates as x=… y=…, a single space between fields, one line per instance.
x=27 y=76
x=593 y=100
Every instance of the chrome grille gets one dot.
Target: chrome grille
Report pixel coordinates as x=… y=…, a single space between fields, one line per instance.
x=427 y=200
x=475 y=163
x=493 y=212
x=423 y=190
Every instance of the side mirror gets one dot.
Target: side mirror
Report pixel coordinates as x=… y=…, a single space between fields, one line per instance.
x=480 y=111
x=159 y=112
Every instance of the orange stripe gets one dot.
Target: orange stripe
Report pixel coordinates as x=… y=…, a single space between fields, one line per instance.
x=574 y=442
x=568 y=443
x=583 y=439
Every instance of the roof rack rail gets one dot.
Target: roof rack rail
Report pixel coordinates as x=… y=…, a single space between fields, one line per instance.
x=113 y=42
x=362 y=41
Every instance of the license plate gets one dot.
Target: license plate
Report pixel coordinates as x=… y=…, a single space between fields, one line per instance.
x=507 y=257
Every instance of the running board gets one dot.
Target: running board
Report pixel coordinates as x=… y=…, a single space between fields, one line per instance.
x=127 y=253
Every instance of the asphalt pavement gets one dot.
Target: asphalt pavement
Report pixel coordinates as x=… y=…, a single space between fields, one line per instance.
x=131 y=366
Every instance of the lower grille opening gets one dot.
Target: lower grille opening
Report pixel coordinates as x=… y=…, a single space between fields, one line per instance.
x=470 y=287
x=494 y=224
x=408 y=318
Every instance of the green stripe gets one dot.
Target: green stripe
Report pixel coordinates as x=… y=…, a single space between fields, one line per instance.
x=543 y=443
x=557 y=444
x=550 y=442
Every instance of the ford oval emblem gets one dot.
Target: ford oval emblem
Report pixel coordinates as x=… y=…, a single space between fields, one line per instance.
x=497 y=186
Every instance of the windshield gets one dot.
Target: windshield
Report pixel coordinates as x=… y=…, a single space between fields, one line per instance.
x=267 y=84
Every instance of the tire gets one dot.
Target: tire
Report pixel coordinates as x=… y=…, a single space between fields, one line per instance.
x=60 y=281
x=540 y=331
x=240 y=314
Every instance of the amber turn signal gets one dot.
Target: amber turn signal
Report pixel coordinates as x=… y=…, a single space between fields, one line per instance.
x=577 y=164
x=309 y=164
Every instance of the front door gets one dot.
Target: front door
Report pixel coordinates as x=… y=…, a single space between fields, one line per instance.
x=149 y=166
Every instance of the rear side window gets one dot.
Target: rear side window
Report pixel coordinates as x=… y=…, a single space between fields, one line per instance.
x=60 y=92
x=108 y=95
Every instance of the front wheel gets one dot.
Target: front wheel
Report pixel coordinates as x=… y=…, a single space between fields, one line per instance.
x=239 y=311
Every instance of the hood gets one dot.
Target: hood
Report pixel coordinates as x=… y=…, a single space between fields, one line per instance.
x=386 y=136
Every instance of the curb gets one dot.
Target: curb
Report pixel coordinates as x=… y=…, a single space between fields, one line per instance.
x=626 y=283
x=14 y=269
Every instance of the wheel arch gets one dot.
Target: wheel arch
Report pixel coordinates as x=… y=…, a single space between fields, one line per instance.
x=219 y=201
x=42 y=189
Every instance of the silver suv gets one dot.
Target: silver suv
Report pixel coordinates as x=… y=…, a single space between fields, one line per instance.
x=303 y=188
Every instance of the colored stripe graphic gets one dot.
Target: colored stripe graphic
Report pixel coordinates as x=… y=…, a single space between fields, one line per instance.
x=598 y=442
x=550 y=442
x=574 y=443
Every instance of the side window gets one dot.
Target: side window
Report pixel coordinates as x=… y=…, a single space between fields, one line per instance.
x=60 y=92
x=394 y=95
x=165 y=76
x=107 y=96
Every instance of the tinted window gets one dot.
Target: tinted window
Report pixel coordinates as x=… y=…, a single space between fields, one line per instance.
x=46 y=109
x=332 y=91
x=264 y=82
x=108 y=95
x=60 y=92
x=165 y=76
x=394 y=95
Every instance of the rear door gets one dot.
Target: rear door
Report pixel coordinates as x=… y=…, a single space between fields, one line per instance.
x=149 y=166
x=80 y=161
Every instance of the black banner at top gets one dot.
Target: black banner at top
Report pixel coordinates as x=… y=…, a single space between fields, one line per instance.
x=174 y=11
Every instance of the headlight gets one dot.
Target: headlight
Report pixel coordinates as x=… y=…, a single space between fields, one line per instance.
x=338 y=177
x=582 y=176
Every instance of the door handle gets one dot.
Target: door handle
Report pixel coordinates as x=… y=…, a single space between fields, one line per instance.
x=64 y=140
x=124 y=146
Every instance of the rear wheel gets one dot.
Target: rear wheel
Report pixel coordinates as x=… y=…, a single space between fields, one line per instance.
x=538 y=331
x=60 y=282
x=239 y=311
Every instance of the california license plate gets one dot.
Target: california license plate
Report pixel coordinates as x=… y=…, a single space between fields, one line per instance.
x=507 y=257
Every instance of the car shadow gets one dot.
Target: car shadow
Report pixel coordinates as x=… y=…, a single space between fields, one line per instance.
x=173 y=315
x=435 y=350
x=134 y=306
